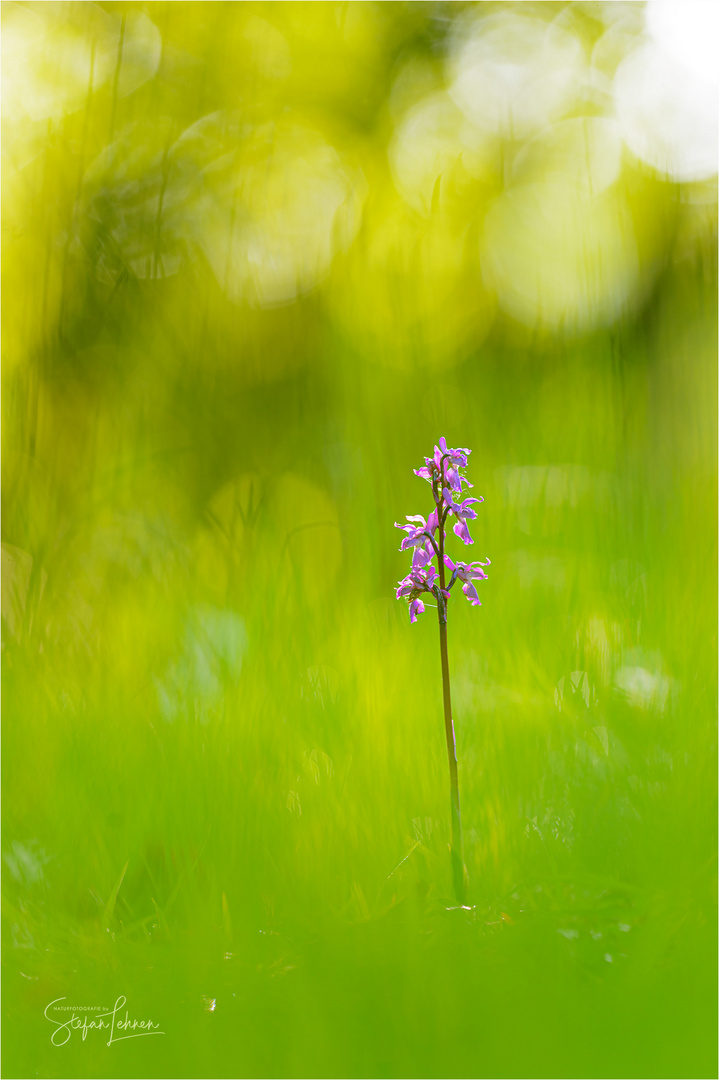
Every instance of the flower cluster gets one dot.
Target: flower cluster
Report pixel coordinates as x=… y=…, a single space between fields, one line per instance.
x=444 y=472
x=421 y=578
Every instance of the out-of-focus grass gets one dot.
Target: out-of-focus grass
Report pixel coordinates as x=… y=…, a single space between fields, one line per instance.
x=207 y=679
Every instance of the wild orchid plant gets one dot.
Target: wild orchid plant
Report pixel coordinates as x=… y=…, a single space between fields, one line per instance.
x=427 y=538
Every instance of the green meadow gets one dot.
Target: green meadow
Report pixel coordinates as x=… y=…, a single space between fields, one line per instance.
x=249 y=279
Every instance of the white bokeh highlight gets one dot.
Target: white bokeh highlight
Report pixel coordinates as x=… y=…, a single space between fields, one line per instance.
x=513 y=74
x=666 y=92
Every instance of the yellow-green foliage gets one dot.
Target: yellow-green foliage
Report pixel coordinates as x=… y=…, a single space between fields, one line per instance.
x=256 y=259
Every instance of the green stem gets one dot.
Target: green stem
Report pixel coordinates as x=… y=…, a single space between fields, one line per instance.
x=458 y=867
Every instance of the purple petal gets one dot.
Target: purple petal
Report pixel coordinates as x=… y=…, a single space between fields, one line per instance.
x=471 y=593
x=432 y=522
x=408 y=542
x=454 y=480
x=461 y=530
x=448 y=562
x=415 y=608
x=420 y=558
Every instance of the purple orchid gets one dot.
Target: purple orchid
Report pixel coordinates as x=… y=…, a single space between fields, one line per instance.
x=468 y=573
x=455 y=480
x=420 y=533
x=427 y=538
x=444 y=467
x=416 y=608
x=421 y=578
x=457 y=458
x=463 y=512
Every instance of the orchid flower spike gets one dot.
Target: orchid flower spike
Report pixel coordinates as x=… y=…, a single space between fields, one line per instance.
x=444 y=472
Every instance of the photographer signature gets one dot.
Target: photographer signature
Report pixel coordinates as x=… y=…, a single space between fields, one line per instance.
x=110 y=1021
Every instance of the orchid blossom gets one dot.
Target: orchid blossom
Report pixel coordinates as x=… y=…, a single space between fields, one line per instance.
x=444 y=471
x=422 y=532
x=467 y=573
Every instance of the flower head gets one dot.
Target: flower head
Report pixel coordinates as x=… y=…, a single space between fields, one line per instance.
x=457 y=458
x=418 y=531
x=427 y=538
x=463 y=512
x=444 y=466
x=468 y=573
x=421 y=578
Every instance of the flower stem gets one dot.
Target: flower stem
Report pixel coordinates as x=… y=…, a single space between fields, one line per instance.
x=458 y=868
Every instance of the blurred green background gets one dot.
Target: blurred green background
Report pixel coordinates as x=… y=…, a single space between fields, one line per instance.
x=256 y=259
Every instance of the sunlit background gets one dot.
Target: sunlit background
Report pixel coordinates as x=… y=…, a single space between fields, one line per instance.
x=256 y=259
